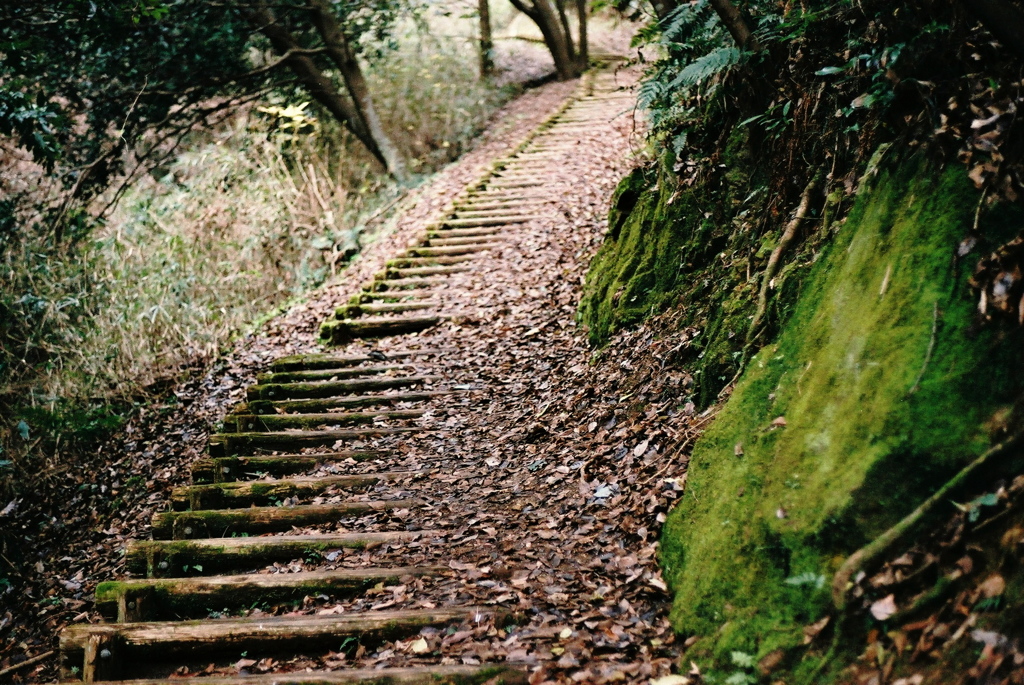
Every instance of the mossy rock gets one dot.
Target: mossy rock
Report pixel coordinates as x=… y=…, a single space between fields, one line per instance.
x=878 y=411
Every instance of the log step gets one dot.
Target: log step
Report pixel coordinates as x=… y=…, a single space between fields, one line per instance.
x=115 y=648
x=481 y=233
x=412 y=272
x=407 y=262
x=214 y=523
x=174 y=558
x=471 y=241
x=230 y=469
x=340 y=331
x=385 y=284
x=355 y=310
x=307 y=375
x=322 y=389
x=127 y=601
x=486 y=221
x=302 y=362
x=456 y=674
x=244 y=444
x=448 y=250
x=265 y=492
x=268 y=423
x=264 y=407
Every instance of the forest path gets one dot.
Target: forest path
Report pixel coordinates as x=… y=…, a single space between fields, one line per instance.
x=385 y=511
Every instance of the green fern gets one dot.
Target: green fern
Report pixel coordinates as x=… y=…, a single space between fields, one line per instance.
x=712 y=64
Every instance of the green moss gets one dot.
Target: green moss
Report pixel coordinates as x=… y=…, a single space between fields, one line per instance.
x=879 y=411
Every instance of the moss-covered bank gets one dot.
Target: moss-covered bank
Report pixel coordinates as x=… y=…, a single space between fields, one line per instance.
x=879 y=387
x=696 y=247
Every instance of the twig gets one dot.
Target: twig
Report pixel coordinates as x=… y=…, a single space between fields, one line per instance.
x=869 y=556
x=27 y=662
x=931 y=348
x=776 y=257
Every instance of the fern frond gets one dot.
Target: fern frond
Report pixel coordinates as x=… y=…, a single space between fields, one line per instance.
x=702 y=68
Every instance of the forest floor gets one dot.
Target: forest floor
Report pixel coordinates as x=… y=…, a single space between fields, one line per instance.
x=551 y=473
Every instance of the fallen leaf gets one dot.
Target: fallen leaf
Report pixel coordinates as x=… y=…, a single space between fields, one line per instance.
x=884 y=608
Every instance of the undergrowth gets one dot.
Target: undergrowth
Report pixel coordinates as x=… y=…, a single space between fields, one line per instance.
x=252 y=213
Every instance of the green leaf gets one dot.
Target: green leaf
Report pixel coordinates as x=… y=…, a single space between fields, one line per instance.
x=742 y=659
x=828 y=71
x=23 y=430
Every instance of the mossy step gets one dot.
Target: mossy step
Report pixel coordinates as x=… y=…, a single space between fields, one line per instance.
x=392 y=273
x=392 y=296
x=174 y=558
x=322 y=389
x=448 y=250
x=385 y=284
x=109 y=651
x=456 y=674
x=482 y=233
x=267 y=423
x=407 y=262
x=521 y=206
x=302 y=362
x=499 y=183
x=244 y=444
x=266 y=492
x=483 y=242
x=338 y=331
x=218 y=523
x=265 y=407
x=352 y=311
x=486 y=221
x=326 y=374
x=155 y=599
x=484 y=674
x=229 y=469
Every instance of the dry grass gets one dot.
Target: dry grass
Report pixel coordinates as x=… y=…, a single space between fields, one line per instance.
x=249 y=217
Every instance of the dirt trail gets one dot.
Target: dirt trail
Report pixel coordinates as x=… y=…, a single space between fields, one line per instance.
x=423 y=502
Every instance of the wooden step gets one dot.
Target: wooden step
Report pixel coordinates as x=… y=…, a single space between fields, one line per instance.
x=482 y=233
x=338 y=331
x=109 y=651
x=384 y=284
x=264 y=423
x=245 y=444
x=456 y=674
x=176 y=598
x=230 y=469
x=472 y=241
x=326 y=374
x=219 y=523
x=499 y=183
x=392 y=296
x=355 y=310
x=393 y=273
x=303 y=362
x=486 y=221
x=407 y=262
x=270 y=492
x=264 y=407
x=321 y=389
x=174 y=558
x=448 y=250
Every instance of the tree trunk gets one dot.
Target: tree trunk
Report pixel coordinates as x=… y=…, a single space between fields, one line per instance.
x=583 y=51
x=310 y=76
x=736 y=24
x=546 y=18
x=486 y=40
x=341 y=53
x=563 y=20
